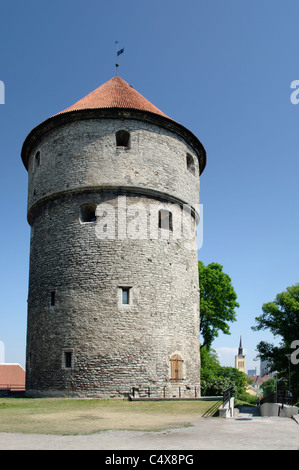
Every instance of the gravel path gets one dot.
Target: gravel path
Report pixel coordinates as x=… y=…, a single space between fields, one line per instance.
x=242 y=433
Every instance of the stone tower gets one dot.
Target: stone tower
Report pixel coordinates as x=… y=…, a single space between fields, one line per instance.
x=113 y=285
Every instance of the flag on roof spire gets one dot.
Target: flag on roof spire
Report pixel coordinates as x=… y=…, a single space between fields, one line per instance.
x=118 y=53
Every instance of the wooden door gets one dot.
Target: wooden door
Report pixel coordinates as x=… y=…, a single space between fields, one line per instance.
x=176 y=368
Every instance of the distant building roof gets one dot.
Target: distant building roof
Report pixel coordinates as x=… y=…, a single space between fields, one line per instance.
x=12 y=376
x=258 y=380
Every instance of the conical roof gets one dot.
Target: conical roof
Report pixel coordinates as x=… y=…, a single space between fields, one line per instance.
x=116 y=93
x=114 y=96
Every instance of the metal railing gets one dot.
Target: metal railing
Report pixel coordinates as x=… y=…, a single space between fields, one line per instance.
x=227 y=395
x=165 y=392
x=282 y=396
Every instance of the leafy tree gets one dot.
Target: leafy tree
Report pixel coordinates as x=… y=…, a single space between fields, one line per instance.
x=209 y=364
x=235 y=376
x=218 y=301
x=216 y=386
x=215 y=378
x=281 y=317
x=268 y=387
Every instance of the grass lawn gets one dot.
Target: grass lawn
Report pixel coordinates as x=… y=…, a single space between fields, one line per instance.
x=78 y=416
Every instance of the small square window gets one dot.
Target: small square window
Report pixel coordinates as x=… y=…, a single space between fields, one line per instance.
x=87 y=213
x=122 y=139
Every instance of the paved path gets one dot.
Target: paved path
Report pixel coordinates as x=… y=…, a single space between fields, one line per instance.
x=245 y=432
x=248 y=412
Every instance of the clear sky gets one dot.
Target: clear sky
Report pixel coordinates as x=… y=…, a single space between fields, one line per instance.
x=223 y=69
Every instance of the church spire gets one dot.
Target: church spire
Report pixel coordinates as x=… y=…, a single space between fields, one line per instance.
x=240 y=352
x=240 y=358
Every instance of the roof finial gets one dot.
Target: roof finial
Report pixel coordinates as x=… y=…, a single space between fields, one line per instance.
x=240 y=346
x=118 y=52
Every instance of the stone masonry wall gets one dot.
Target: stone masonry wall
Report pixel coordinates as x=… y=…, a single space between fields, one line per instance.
x=113 y=346
x=83 y=154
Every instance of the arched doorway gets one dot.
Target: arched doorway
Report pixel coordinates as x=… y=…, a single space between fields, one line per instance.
x=176 y=368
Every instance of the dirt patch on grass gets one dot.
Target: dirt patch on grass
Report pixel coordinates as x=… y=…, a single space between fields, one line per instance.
x=71 y=416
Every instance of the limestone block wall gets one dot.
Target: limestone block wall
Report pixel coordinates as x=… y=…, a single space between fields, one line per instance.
x=114 y=346
x=113 y=295
x=83 y=154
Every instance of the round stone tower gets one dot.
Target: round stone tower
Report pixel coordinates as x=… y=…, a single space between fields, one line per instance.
x=113 y=203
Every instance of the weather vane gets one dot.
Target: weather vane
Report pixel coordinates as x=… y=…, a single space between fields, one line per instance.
x=118 y=53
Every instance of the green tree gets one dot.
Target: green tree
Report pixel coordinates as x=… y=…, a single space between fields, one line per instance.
x=215 y=378
x=218 y=301
x=209 y=364
x=235 y=376
x=268 y=387
x=281 y=317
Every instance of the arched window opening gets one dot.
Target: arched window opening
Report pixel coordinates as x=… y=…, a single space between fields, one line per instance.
x=190 y=163
x=176 y=368
x=88 y=213
x=122 y=139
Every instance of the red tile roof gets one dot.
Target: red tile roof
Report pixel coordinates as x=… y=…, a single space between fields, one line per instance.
x=116 y=93
x=12 y=376
x=259 y=380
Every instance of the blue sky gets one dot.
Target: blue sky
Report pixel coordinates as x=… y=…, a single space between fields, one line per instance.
x=223 y=69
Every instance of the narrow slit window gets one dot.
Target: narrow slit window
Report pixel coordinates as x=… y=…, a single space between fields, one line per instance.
x=165 y=220
x=68 y=359
x=37 y=160
x=125 y=295
x=53 y=298
x=88 y=213
x=122 y=139
x=190 y=163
